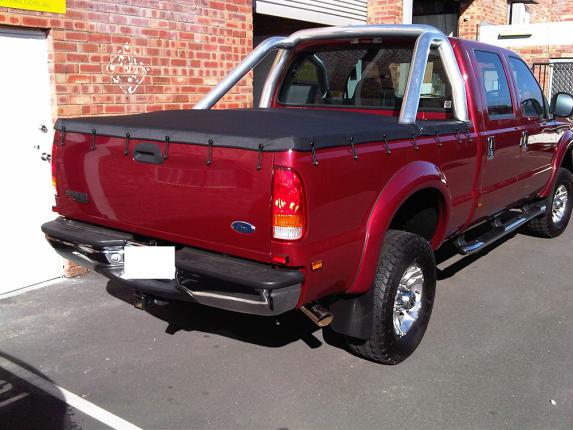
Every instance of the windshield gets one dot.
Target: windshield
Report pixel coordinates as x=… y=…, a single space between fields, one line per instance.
x=366 y=76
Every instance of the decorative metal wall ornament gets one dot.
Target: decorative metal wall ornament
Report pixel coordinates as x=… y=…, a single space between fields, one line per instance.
x=127 y=72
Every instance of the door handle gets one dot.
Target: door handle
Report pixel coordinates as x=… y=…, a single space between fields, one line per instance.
x=43 y=128
x=524 y=140
x=46 y=157
x=490 y=147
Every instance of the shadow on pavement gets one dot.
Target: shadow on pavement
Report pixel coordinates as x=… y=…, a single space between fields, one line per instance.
x=24 y=406
x=271 y=332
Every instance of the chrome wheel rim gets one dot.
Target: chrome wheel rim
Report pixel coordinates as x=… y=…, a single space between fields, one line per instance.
x=559 y=203
x=408 y=300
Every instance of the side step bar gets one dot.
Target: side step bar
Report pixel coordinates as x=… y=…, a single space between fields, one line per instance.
x=500 y=228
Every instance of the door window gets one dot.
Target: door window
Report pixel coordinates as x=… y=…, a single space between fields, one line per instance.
x=530 y=95
x=494 y=81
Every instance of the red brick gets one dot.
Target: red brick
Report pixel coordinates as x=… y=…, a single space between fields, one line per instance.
x=90 y=68
x=77 y=58
x=65 y=68
x=76 y=36
x=64 y=46
x=99 y=37
x=114 y=109
x=69 y=110
x=34 y=21
x=147 y=32
x=120 y=39
x=88 y=47
x=78 y=79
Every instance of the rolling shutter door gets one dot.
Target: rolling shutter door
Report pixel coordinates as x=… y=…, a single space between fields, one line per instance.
x=329 y=12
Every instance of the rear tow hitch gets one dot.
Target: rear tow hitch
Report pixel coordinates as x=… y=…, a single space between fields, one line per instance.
x=142 y=301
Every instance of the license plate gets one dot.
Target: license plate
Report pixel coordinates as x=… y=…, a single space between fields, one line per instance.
x=149 y=262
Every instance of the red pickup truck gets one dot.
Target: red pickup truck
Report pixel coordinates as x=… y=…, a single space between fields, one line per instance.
x=372 y=147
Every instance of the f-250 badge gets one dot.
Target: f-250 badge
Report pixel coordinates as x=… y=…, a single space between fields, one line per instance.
x=77 y=196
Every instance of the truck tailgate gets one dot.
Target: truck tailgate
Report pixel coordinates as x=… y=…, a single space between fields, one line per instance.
x=181 y=199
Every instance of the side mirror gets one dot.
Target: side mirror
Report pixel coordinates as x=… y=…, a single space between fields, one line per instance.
x=562 y=105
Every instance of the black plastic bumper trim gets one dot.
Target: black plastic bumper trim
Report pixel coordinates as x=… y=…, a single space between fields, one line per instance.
x=205 y=277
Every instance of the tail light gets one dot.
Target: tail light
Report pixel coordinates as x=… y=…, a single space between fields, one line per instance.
x=288 y=211
x=53 y=162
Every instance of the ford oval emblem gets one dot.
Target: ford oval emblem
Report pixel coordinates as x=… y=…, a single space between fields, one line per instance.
x=243 y=227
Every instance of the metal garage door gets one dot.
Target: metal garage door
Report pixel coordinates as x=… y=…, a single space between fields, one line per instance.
x=329 y=12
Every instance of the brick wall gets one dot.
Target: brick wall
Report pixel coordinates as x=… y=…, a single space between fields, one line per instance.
x=474 y=12
x=384 y=11
x=542 y=54
x=541 y=12
x=495 y=12
x=562 y=10
x=178 y=49
x=550 y=11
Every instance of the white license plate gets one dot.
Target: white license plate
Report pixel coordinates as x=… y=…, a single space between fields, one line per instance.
x=149 y=262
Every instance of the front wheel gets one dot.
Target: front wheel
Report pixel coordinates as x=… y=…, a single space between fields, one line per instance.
x=558 y=212
x=404 y=290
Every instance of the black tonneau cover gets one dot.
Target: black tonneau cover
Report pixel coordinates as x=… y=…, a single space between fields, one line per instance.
x=274 y=129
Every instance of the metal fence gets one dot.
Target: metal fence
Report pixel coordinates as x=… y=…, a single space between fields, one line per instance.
x=555 y=77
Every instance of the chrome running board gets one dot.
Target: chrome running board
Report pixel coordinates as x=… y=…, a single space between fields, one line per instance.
x=500 y=228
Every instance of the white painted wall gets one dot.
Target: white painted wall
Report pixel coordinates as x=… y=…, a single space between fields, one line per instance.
x=407 y=10
x=518 y=35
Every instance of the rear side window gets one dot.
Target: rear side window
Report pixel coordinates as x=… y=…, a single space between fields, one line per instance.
x=495 y=84
x=371 y=76
x=530 y=95
x=305 y=87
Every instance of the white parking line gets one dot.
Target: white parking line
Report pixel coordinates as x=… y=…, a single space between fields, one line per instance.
x=66 y=396
x=23 y=290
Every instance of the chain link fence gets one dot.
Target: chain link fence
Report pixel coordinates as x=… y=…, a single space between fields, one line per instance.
x=555 y=77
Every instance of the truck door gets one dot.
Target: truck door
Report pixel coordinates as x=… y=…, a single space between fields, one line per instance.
x=539 y=133
x=502 y=151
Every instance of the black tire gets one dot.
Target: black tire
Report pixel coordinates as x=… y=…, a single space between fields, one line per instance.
x=400 y=251
x=543 y=225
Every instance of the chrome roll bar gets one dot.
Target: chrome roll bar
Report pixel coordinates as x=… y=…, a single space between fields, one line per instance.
x=427 y=37
x=235 y=75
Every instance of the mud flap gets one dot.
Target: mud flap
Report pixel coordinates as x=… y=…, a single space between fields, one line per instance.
x=353 y=315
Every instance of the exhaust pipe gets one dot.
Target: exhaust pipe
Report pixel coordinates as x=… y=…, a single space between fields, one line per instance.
x=318 y=314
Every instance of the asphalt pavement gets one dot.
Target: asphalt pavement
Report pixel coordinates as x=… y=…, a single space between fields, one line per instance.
x=497 y=355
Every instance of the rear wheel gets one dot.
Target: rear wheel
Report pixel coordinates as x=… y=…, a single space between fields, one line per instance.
x=558 y=212
x=404 y=290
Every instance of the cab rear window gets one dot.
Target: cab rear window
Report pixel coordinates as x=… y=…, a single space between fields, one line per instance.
x=371 y=77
